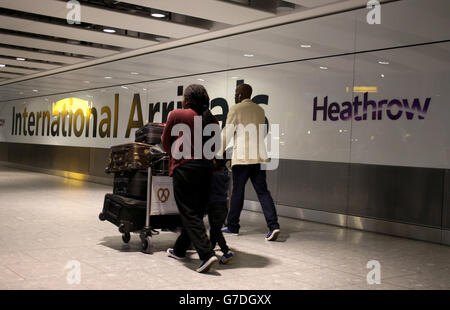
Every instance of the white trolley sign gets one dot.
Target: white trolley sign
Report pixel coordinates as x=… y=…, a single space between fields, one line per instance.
x=162 y=196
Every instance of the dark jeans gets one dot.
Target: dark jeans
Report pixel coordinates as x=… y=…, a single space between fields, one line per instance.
x=191 y=191
x=241 y=174
x=217 y=213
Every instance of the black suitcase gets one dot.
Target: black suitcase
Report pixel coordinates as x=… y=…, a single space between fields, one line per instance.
x=129 y=215
x=151 y=133
x=131 y=184
x=126 y=213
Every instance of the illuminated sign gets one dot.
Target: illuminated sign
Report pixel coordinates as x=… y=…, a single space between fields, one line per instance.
x=363 y=89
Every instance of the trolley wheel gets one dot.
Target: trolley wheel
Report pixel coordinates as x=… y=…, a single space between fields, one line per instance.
x=147 y=245
x=122 y=228
x=101 y=217
x=126 y=237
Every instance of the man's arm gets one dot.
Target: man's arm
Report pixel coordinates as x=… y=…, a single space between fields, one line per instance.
x=228 y=132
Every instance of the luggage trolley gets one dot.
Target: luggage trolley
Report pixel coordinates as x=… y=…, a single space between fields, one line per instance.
x=131 y=219
x=148 y=231
x=152 y=222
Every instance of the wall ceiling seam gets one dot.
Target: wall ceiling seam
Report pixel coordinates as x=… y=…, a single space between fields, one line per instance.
x=331 y=9
x=234 y=69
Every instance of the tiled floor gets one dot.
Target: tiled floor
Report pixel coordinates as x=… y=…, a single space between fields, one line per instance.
x=46 y=222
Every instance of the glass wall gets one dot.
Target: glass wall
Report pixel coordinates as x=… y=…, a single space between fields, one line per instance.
x=362 y=109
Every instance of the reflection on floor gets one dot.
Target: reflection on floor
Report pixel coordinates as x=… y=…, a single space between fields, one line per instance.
x=46 y=222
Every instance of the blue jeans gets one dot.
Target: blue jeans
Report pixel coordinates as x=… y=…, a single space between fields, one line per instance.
x=241 y=174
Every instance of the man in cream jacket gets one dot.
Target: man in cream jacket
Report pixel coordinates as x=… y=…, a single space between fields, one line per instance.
x=246 y=124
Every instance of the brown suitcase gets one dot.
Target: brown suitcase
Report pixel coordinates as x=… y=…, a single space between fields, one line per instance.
x=128 y=157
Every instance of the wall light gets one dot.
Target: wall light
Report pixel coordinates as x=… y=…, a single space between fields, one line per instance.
x=71 y=104
x=305 y=45
x=108 y=77
x=323 y=68
x=158 y=15
x=109 y=30
x=134 y=73
x=2 y=65
x=201 y=80
x=365 y=89
x=20 y=59
x=383 y=62
x=249 y=55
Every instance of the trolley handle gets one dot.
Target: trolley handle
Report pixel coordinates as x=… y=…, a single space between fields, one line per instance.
x=149 y=198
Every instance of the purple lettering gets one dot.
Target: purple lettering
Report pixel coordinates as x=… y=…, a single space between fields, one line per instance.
x=371 y=103
x=399 y=112
x=323 y=108
x=333 y=109
x=356 y=104
x=380 y=108
x=346 y=113
x=416 y=106
x=348 y=109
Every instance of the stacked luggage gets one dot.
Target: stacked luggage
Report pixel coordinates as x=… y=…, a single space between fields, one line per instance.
x=126 y=207
x=150 y=133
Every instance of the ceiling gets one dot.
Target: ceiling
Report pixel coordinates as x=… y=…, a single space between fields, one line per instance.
x=193 y=57
x=36 y=36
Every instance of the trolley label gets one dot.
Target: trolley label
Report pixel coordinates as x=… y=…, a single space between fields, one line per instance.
x=163 y=201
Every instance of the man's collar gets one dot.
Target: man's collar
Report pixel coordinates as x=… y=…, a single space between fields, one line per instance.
x=246 y=100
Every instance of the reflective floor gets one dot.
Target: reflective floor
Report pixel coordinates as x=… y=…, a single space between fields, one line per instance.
x=49 y=224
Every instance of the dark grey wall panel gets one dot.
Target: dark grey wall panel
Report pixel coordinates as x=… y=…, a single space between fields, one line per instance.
x=98 y=161
x=446 y=207
x=313 y=185
x=401 y=194
x=75 y=159
x=272 y=184
x=3 y=151
x=66 y=158
x=418 y=196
